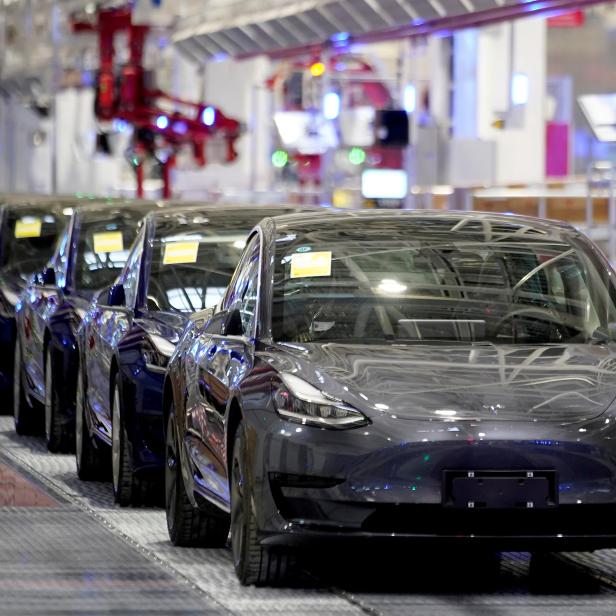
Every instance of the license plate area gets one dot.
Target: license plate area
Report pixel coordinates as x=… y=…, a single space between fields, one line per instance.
x=469 y=489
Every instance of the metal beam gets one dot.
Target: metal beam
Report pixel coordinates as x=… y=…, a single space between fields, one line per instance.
x=497 y=14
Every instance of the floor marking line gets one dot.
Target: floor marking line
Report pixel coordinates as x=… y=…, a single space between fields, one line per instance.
x=118 y=533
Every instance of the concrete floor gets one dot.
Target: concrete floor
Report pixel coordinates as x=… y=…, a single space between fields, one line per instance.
x=66 y=548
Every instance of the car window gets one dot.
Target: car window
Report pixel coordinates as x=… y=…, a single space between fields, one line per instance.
x=60 y=262
x=102 y=248
x=244 y=287
x=392 y=281
x=130 y=277
x=28 y=237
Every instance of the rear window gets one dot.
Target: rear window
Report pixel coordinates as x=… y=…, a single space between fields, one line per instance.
x=194 y=256
x=103 y=245
x=29 y=237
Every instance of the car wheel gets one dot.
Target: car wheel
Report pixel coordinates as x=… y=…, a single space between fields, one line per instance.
x=55 y=436
x=188 y=526
x=91 y=461
x=23 y=413
x=253 y=563
x=125 y=484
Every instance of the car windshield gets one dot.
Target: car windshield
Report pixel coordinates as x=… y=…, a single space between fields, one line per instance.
x=195 y=255
x=29 y=235
x=102 y=247
x=413 y=280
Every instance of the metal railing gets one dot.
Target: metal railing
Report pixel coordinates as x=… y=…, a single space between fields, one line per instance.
x=600 y=180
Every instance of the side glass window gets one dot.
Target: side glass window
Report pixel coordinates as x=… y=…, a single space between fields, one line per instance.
x=59 y=261
x=130 y=277
x=244 y=288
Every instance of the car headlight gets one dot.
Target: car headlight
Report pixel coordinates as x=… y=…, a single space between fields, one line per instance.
x=158 y=352
x=298 y=401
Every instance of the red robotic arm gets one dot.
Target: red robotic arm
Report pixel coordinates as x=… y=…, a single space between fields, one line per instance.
x=124 y=96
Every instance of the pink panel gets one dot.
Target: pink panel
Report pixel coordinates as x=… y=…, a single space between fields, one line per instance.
x=557 y=150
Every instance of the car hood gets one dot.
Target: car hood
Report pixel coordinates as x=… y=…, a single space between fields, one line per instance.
x=561 y=383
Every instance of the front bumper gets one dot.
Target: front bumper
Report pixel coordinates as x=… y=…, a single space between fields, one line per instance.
x=385 y=482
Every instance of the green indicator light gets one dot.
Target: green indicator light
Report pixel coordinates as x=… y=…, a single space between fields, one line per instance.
x=426 y=458
x=357 y=156
x=280 y=158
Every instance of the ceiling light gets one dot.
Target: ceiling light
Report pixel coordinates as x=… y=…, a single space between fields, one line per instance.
x=391 y=286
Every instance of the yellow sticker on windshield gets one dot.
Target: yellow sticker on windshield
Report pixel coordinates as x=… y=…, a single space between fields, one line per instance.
x=180 y=252
x=28 y=227
x=309 y=264
x=109 y=241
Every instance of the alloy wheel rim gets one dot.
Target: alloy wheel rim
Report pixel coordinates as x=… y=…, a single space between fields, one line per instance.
x=48 y=397
x=115 y=439
x=79 y=420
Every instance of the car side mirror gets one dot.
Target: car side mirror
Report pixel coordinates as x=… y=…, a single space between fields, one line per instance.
x=116 y=296
x=233 y=323
x=48 y=277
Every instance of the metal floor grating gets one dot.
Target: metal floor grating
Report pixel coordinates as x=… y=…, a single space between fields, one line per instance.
x=138 y=568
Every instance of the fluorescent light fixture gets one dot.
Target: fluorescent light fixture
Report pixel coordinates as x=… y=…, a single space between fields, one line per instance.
x=519 y=89
x=410 y=98
x=388 y=286
x=384 y=184
x=445 y=412
x=331 y=105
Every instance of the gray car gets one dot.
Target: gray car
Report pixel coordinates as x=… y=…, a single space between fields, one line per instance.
x=394 y=376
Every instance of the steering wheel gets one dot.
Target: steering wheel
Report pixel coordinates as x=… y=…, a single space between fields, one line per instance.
x=540 y=314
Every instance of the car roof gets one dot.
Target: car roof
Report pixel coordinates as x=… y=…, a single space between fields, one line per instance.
x=309 y=220
x=95 y=209
x=222 y=210
x=177 y=207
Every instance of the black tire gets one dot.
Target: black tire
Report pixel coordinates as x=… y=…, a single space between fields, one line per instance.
x=126 y=489
x=56 y=436
x=188 y=526
x=23 y=413
x=129 y=489
x=254 y=564
x=91 y=460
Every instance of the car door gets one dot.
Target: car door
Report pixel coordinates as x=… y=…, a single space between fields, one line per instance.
x=221 y=361
x=108 y=327
x=42 y=301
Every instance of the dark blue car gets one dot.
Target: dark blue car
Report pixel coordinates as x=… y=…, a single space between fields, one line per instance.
x=398 y=377
x=29 y=229
x=88 y=256
x=180 y=264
